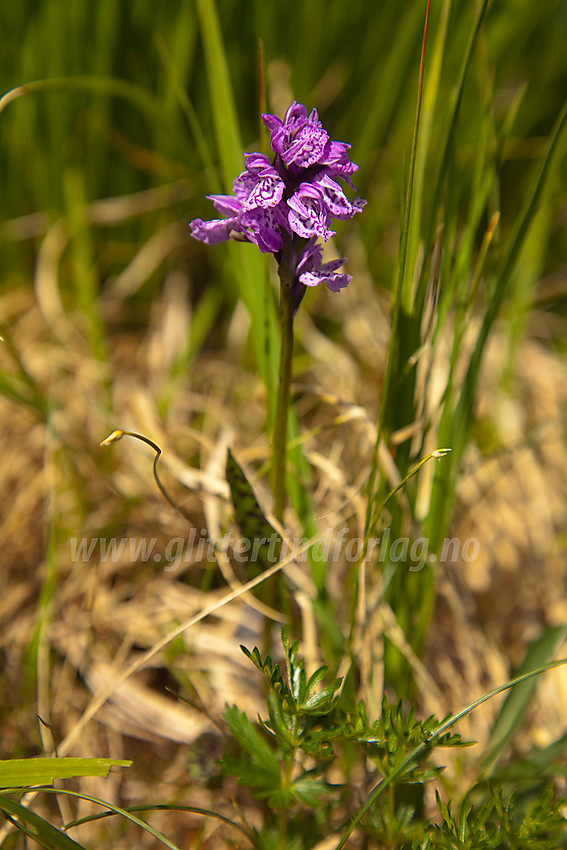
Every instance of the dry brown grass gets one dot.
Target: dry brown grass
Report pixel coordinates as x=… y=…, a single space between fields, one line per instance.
x=70 y=629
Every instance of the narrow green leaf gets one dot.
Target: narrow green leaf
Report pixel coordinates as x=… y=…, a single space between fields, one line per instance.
x=222 y=99
x=19 y=773
x=160 y=807
x=278 y=719
x=451 y=121
x=517 y=701
x=265 y=542
x=321 y=703
x=418 y=166
x=83 y=253
x=124 y=89
x=40 y=830
x=317 y=677
x=455 y=420
x=254 y=656
x=396 y=409
x=125 y=813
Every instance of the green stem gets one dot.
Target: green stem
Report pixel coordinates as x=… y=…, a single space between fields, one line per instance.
x=286 y=271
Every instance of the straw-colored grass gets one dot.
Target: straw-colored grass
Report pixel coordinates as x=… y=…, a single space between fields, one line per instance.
x=116 y=125
x=96 y=618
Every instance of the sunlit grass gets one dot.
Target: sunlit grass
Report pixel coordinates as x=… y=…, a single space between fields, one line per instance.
x=120 y=119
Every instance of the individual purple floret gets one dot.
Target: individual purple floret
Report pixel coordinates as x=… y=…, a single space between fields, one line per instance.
x=301 y=142
x=311 y=271
x=295 y=197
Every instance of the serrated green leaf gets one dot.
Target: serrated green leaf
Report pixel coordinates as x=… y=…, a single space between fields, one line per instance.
x=295 y=668
x=286 y=640
x=282 y=798
x=309 y=791
x=261 y=781
x=251 y=741
x=271 y=672
x=19 y=773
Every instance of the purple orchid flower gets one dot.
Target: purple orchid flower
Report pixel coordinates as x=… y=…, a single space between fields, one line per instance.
x=295 y=197
x=311 y=271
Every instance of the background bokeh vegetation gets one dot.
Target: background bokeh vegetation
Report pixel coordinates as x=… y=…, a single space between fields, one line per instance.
x=112 y=316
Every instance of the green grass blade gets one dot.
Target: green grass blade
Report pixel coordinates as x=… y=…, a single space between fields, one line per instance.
x=203 y=318
x=516 y=703
x=163 y=807
x=455 y=422
x=523 y=224
x=21 y=386
x=222 y=98
x=451 y=124
x=116 y=810
x=184 y=101
x=249 y=267
x=427 y=99
x=123 y=89
x=18 y=773
x=379 y=111
x=83 y=256
x=397 y=409
x=20 y=392
x=40 y=830
x=397 y=358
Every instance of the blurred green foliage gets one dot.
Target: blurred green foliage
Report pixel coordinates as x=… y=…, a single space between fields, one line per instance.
x=130 y=96
x=124 y=96
x=356 y=62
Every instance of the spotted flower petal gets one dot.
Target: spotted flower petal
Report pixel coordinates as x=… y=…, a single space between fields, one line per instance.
x=214 y=232
x=334 y=197
x=283 y=132
x=327 y=274
x=267 y=192
x=226 y=204
x=262 y=227
x=259 y=185
x=315 y=272
x=307 y=148
x=309 y=215
x=311 y=271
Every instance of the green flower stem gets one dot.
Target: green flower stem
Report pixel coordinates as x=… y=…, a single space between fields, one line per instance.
x=286 y=271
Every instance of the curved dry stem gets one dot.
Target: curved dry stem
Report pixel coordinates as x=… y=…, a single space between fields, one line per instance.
x=118 y=434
